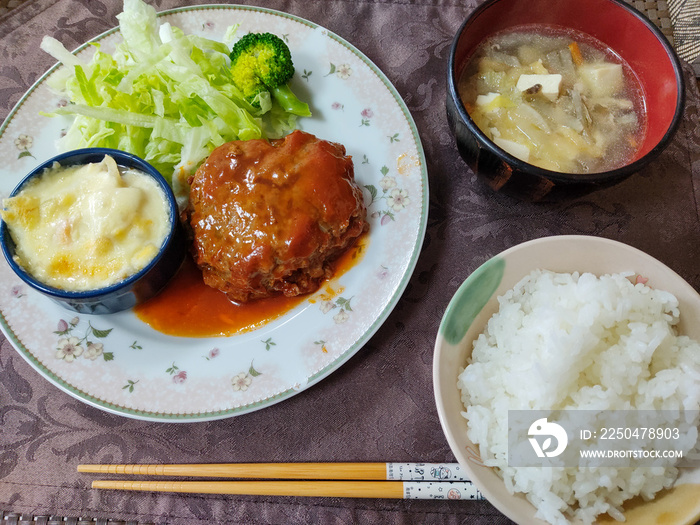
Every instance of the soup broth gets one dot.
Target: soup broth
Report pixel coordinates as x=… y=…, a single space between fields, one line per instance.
x=555 y=98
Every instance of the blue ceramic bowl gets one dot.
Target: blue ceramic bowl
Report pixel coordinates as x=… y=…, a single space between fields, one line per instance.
x=613 y=22
x=137 y=288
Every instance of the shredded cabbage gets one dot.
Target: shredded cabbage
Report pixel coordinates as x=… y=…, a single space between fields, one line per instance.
x=163 y=95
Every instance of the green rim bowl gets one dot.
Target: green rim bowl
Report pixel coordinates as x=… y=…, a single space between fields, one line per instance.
x=476 y=301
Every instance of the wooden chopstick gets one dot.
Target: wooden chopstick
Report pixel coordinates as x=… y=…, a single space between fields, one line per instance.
x=359 y=480
x=337 y=489
x=307 y=471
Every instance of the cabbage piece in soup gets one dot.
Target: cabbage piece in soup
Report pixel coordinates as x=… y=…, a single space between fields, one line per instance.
x=555 y=98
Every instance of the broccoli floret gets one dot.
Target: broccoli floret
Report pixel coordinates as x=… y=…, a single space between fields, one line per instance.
x=261 y=66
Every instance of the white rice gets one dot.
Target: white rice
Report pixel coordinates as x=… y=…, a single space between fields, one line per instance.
x=570 y=341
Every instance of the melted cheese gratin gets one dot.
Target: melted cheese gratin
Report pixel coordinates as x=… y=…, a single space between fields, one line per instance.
x=86 y=227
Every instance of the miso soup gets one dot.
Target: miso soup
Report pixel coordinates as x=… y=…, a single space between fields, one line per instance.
x=555 y=98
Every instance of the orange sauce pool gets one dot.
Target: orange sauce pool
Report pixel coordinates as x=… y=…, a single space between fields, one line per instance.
x=189 y=308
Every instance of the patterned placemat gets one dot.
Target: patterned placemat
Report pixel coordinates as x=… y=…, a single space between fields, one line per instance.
x=7 y=5
x=678 y=20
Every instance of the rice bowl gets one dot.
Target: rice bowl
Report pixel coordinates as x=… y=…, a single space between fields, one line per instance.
x=466 y=317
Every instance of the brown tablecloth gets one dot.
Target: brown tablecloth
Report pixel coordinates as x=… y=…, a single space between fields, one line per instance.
x=379 y=406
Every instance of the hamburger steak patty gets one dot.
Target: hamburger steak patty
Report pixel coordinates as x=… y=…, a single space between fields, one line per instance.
x=269 y=217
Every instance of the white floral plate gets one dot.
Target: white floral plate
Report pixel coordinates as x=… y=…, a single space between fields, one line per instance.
x=128 y=368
